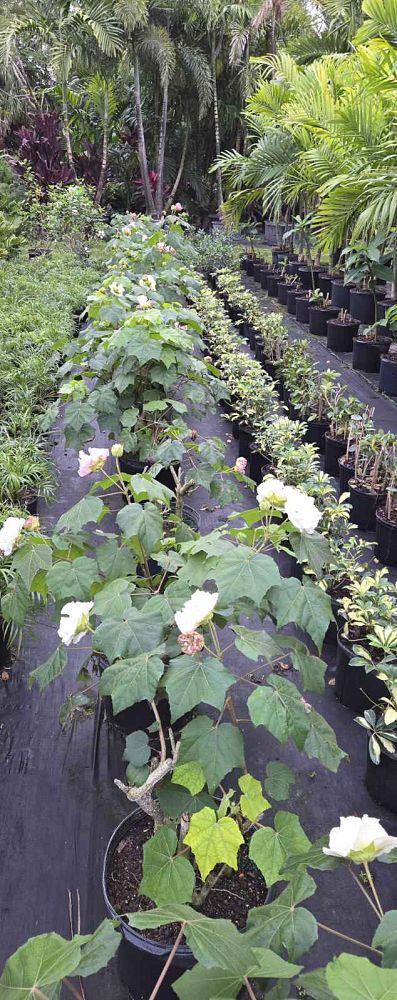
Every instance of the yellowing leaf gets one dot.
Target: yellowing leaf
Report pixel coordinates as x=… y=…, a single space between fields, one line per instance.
x=191 y=776
x=213 y=841
x=252 y=803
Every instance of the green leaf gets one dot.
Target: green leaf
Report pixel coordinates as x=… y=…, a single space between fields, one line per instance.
x=38 y=964
x=144 y=487
x=321 y=742
x=175 y=799
x=385 y=937
x=311 y=668
x=190 y=681
x=252 y=802
x=136 y=775
x=305 y=604
x=243 y=572
x=279 y=780
x=15 y=603
x=213 y=841
x=217 y=748
x=312 y=549
x=138 y=632
x=167 y=877
x=144 y=523
x=48 y=671
x=137 y=749
x=352 y=978
x=86 y=510
x=98 y=949
x=115 y=561
x=271 y=966
x=313 y=858
x=283 y=924
x=29 y=559
x=72 y=579
x=113 y=600
x=191 y=776
x=269 y=848
x=214 y=942
x=132 y=680
x=200 y=983
x=315 y=985
x=279 y=706
x=255 y=644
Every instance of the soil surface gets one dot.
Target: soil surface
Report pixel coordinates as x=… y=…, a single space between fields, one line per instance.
x=382 y=516
x=232 y=897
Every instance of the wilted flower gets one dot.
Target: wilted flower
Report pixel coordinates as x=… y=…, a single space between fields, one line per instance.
x=9 y=534
x=272 y=492
x=116 y=288
x=92 y=462
x=74 y=623
x=147 y=281
x=177 y=207
x=143 y=302
x=191 y=642
x=126 y=231
x=32 y=523
x=240 y=465
x=301 y=510
x=196 y=610
x=359 y=839
x=117 y=450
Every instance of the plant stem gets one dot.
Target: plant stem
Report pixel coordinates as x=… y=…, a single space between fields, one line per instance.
x=70 y=987
x=374 y=891
x=161 y=731
x=365 y=893
x=214 y=637
x=346 y=937
x=249 y=989
x=173 y=951
x=39 y=994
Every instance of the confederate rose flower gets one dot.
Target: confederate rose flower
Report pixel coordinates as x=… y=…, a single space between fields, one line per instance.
x=240 y=465
x=143 y=302
x=9 y=534
x=92 y=462
x=74 y=621
x=196 y=610
x=191 y=642
x=147 y=281
x=32 y=523
x=360 y=839
x=116 y=289
x=301 y=510
x=272 y=492
x=177 y=207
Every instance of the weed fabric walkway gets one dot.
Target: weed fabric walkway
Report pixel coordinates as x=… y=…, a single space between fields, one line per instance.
x=58 y=811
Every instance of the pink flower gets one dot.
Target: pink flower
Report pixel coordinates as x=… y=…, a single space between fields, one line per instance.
x=92 y=462
x=177 y=207
x=240 y=466
x=191 y=642
x=32 y=523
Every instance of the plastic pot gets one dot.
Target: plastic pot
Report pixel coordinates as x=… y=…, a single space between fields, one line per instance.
x=381 y=780
x=293 y=267
x=247 y=328
x=362 y=304
x=28 y=501
x=302 y=309
x=334 y=449
x=318 y=319
x=292 y=296
x=340 y=335
x=272 y=284
x=315 y=433
x=246 y=438
x=340 y=295
x=257 y=271
x=282 y=293
x=271 y=370
x=236 y=429
x=367 y=354
x=259 y=465
x=346 y=473
x=264 y=274
x=353 y=686
x=252 y=338
x=333 y=627
x=364 y=504
x=384 y=305
x=308 y=278
x=386 y=537
x=250 y=267
x=388 y=376
x=141 y=960
x=325 y=284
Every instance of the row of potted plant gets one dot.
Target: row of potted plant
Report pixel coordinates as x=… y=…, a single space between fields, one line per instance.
x=162 y=611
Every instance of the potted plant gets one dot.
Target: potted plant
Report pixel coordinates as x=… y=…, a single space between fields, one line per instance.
x=349 y=560
x=295 y=289
x=320 y=311
x=369 y=607
x=364 y=264
x=310 y=399
x=386 y=526
x=340 y=332
x=380 y=724
x=302 y=230
x=26 y=472
x=361 y=425
x=373 y=466
x=388 y=368
x=341 y=410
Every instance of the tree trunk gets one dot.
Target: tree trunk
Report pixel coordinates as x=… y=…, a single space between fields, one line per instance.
x=66 y=128
x=150 y=206
x=179 y=174
x=161 y=152
x=216 y=119
x=104 y=162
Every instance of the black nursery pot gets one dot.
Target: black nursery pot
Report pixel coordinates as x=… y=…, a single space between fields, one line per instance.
x=340 y=335
x=132 y=466
x=340 y=296
x=367 y=354
x=247 y=328
x=292 y=296
x=346 y=472
x=272 y=284
x=302 y=309
x=325 y=284
x=271 y=370
x=264 y=273
x=384 y=305
x=381 y=780
x=282 y=294
x=141 y=960
x=293 y=267
x=318 y=319
x=315 y=434
x=332 y=630
x=386 y=538
x=257 y=271
x=353 y=686
x=250 y=267
x=252 y=337
x=236 y=429
x=362 y=304
x=246 y=438
x=307 y=277
x=334 y=449
x=259 y=465
x=364 y=504
x=388 y=376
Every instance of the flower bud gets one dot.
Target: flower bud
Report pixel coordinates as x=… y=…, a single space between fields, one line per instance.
x=117 y=450
x=32 y=523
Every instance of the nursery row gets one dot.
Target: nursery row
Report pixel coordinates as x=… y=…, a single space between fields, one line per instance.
x=189 y=873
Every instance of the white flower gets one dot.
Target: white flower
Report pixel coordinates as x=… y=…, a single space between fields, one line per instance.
x=92 y=462
x=360 y=839
x=272 y=492
x=9 y=534
x=301 y=510
x=101 y=234
x=126 y=231
x=74 y=621
x=116 y=289
x=143 y=302
x=147 y=281
x=195 y=611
